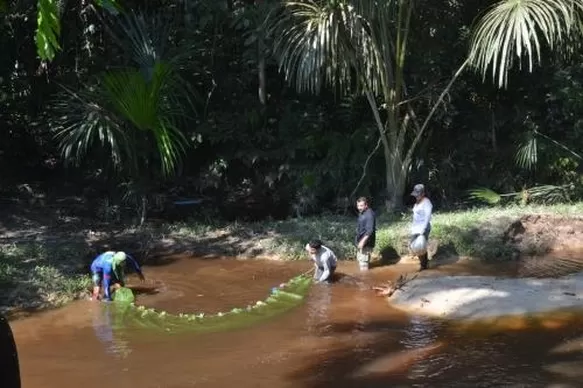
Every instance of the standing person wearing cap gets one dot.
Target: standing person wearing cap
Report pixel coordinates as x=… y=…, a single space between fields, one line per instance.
x=107 y=270
x=421 y=219
x=365 y=233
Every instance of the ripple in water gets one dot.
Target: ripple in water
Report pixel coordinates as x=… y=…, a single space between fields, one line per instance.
x=551 y=266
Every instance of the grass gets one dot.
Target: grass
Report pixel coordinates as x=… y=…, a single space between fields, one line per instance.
x=36 y=276
x=53 y=272
x=476 y=232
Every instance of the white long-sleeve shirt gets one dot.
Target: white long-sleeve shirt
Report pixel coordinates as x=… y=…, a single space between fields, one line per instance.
x=324 y=259
x=421 y=216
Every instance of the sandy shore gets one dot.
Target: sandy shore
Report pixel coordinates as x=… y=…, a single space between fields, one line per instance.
x=479 y=297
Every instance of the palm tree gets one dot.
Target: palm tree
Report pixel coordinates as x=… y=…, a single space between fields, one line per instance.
x=360 y=46
x=132 y=115
x=515 y=30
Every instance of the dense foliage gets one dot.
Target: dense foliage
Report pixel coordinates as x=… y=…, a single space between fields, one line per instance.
x=133 y=108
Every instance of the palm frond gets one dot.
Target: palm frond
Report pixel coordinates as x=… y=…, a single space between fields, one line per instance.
x=512 y=29
x=48 y=29
x=84 y=123
x=325 y=42
x=311 y=46
x=147 y=37
x=126 y=115
x=150 y=107
x=130 y=96
x=485 y=195
x=527 y=154
x=549 y=193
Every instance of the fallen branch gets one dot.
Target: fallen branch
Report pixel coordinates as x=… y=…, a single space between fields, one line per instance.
x=392 y=287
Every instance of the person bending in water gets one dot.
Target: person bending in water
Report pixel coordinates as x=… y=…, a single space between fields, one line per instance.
x=324 y=261
x=107 y=270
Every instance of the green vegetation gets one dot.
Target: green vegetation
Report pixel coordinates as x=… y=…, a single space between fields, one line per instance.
x=477 y=233
x=49 y=273
x=136 y=108
x=36 y=275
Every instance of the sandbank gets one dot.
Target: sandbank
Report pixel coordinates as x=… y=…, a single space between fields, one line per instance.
x=485 y=297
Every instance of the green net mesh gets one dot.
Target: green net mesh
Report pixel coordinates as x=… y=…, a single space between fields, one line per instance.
x=124 y=295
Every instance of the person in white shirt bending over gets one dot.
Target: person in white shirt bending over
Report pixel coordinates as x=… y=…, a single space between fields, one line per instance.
x=421 y=224
x=324 y=261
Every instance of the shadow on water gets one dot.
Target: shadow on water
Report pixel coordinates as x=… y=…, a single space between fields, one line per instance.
x=541 y=350
x=425 y=353
x=439 y=255
x=446 y=254
x=144 y=290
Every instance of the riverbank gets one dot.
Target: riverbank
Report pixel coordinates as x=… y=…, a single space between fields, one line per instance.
x=479 y=298
x=44 y=257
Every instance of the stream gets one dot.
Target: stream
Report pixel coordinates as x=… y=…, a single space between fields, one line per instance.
x=342 y=335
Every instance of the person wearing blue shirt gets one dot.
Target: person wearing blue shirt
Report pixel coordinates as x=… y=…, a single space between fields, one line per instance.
x=107 y=270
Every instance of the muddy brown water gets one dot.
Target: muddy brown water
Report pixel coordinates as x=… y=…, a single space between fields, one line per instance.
x=342 y=336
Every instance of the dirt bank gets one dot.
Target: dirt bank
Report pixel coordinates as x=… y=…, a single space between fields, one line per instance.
x=540 y=234
x=478 y=297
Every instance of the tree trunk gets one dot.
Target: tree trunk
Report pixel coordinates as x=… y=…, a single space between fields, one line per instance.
x=396 y=179
x=396 y=173
x=493 y=130
x=143 y=208
x=261 y=70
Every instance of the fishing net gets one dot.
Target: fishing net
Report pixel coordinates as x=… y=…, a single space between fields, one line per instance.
x=124 y=295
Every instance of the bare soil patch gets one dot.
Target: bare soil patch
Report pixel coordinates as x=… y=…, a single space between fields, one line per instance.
x=541 y=234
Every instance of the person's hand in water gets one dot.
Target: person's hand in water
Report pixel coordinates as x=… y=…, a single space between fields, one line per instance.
x=142 y=277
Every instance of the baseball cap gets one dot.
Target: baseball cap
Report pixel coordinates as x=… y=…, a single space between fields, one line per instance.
x=418 y=189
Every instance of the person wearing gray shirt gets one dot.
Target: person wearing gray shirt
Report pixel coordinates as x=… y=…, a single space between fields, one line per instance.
x=324 y=261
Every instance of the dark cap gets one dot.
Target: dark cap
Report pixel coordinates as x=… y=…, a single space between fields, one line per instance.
x=418 y=189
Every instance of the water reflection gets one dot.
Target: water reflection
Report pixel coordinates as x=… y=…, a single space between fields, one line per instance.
x=362 y=298
x=319 y=304
x=106 y=332
x=421 y=335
